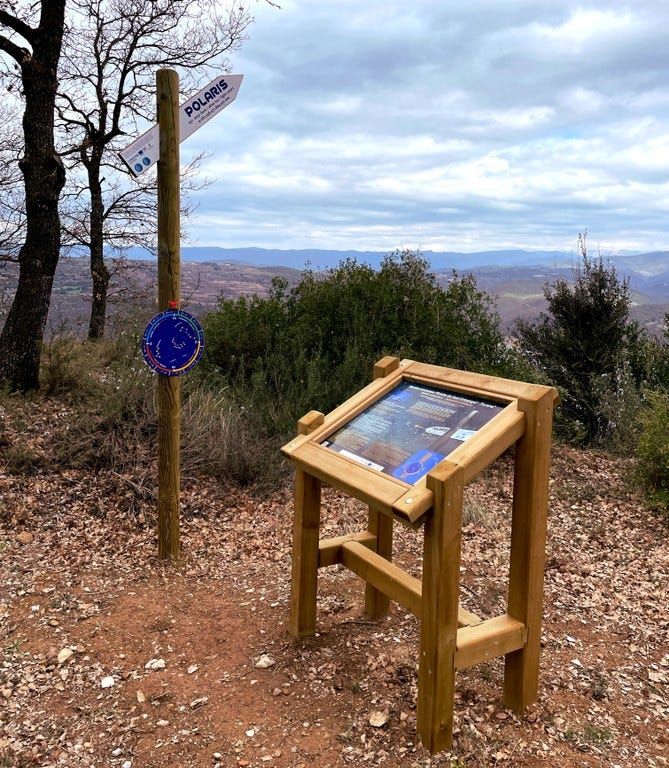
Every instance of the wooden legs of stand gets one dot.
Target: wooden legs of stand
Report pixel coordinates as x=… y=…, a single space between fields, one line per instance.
x=439 y=625
x=528 y=544
x=516 y=634
x=376 y=602
x=306 y=556
x=306 y=526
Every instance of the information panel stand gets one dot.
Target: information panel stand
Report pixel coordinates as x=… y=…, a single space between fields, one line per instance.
x=406 y=445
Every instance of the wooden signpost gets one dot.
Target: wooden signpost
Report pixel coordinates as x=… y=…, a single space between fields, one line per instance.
x=407 y=445
x=173 y=341
x=169 y=296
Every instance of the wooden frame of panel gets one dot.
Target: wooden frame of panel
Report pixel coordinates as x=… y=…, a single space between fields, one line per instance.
x=451 y=638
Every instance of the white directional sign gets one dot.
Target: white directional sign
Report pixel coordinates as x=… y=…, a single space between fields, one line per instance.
x=193 y=113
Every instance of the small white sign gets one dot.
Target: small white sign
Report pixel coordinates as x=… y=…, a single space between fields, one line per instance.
x=143 y=152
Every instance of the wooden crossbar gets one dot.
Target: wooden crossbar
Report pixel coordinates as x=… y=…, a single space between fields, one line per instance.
x=489 y=639
x=329 y=550
x=386 y=577
x=355 y=552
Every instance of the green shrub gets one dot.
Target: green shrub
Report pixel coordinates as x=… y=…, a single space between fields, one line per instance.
x=112 y=419
x=653 y=450
x=67 y=366
x=21 y=460
x=110 y=396
x=587 y=346
x=314 y=346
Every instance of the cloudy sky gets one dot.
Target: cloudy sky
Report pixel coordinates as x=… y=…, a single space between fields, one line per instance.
x=463 y=126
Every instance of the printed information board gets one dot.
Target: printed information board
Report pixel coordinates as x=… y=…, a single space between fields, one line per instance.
x=143 y=152
x=411 y=429
x=173 y=342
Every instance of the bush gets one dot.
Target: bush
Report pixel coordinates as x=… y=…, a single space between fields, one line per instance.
x=314 y=346
x=109 y=396
x=588 y=348
x=111 y=418
x=220 y=438
x=653 y=451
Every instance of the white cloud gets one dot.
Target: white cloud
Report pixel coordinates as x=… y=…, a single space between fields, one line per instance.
x=497 y=123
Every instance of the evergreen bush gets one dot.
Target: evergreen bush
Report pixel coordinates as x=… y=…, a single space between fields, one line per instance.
x=313 y=346
x=587 y=346
x=653 y=450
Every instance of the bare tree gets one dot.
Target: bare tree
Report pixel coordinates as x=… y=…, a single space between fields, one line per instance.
x=12 y=212
x=31 y=38
x=107 y=88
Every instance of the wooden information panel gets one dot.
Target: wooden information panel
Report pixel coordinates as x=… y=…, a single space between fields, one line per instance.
x=406 y=445
x=411 y=429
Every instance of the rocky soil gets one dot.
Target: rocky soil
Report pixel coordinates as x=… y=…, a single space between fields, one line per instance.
x=113 y=658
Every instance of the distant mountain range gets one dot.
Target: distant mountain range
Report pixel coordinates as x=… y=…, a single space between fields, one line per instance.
x=649 y=264
x=514 y=278
x=648 y=273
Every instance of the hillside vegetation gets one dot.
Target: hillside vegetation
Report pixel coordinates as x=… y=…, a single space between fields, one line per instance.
x=311 y=344
x=113 y=656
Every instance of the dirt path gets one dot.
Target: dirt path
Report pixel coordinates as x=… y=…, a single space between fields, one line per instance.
x=112 y=658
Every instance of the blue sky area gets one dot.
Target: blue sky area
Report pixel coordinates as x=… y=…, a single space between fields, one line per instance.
x=487 y=124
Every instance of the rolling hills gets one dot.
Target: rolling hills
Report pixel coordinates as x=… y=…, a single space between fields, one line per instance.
x=515 y=278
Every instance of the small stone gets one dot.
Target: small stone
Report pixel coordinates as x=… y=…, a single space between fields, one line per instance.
x=141 y=698
x=264 y=662
x=107 y=682
x=378 y=719
x=154 y=664
x=65 y=654
x=24 y=537
x=193 y=668
x=162 y=723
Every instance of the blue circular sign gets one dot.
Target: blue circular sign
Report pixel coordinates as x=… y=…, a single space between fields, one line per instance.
x=173 y=342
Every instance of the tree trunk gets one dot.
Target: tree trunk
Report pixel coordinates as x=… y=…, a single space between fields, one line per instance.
x=99 y=272
x=100 y=275
x=44 y=177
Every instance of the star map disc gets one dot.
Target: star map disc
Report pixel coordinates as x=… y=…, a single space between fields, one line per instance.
x=173 y=342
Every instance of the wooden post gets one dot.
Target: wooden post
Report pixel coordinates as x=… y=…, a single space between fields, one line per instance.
x=376 y=602
x=169 y=233
x=528 y=543
x=440 y=603
x=306 y=526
